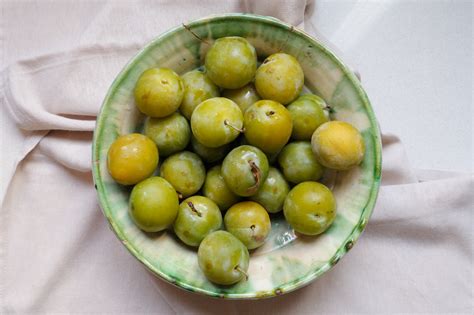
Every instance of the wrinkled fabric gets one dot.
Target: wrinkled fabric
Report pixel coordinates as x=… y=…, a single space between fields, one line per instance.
x=57 y=253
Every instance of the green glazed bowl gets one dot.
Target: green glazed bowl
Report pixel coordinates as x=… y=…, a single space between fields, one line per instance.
x=287 y=261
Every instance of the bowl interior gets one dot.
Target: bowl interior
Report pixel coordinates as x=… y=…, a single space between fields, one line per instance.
x=287 y=261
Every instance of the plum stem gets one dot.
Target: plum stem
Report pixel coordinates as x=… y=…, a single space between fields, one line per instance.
x=256 y=175
x=193 y=208
x=194 y=34
x=329 y=109
x=180 y=196
x=242 y=271
x=252 y=227
x=227 y=123
x=270 y=113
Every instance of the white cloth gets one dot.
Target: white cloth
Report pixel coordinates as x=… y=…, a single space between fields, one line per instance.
x=56 y=251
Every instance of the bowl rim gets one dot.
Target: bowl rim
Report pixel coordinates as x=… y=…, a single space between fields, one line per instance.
x=349 y=241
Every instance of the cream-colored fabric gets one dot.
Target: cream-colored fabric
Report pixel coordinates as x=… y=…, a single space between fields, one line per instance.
x=56 y=251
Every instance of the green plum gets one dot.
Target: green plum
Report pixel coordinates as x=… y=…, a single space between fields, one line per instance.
x=209 y=155
x=307 y=113
x=298 y=163
x=132 y=158
x=273 y=192
x=338 y=145
x=244 y=97
x=223 y=258
x=231 y=62
x=197 y=217
x=249 y=222
x=314 y=98
x=153 y=204
x=159 y=92
x=216 y=189
x=197 y=88
x=185 y=171
x=267 y=125
x=171 y=133
x=310 y=208
x=279 y=78
x=244 y=170
x=216 y=121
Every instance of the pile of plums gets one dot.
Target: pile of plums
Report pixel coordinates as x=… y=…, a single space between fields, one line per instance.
x=238 y=139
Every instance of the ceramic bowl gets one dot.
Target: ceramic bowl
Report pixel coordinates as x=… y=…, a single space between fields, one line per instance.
x=287 y=261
